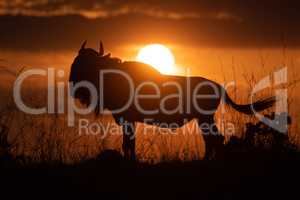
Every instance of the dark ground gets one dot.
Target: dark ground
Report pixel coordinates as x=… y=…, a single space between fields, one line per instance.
x=260 y=175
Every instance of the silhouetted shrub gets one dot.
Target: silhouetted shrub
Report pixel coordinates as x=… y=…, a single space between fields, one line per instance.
x=261 y=136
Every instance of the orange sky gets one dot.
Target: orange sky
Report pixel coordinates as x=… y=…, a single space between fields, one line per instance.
x=207 y=62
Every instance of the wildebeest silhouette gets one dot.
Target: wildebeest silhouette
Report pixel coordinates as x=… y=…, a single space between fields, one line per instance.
x=179 y=101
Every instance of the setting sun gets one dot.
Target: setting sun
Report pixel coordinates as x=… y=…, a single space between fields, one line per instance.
x=158 y=56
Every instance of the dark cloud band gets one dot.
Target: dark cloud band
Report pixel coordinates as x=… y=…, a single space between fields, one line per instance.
x=62 y=24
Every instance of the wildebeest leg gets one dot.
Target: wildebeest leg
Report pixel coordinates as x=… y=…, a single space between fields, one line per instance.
x=218 y=143
x=129 y=141
x=212 y=137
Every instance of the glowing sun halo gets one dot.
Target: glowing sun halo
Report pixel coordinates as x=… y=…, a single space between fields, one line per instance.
x=158 y=56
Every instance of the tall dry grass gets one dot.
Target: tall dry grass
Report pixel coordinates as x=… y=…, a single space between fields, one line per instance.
x=47 y=138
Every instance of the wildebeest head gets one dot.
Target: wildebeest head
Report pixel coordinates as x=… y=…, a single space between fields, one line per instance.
x=86 y=67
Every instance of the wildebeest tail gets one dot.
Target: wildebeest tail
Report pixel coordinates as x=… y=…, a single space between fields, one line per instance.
x=250 y=109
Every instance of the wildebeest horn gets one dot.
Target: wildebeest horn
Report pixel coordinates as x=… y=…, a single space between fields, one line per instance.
x=83 y=45
x=107 y=55
x=101 y=50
